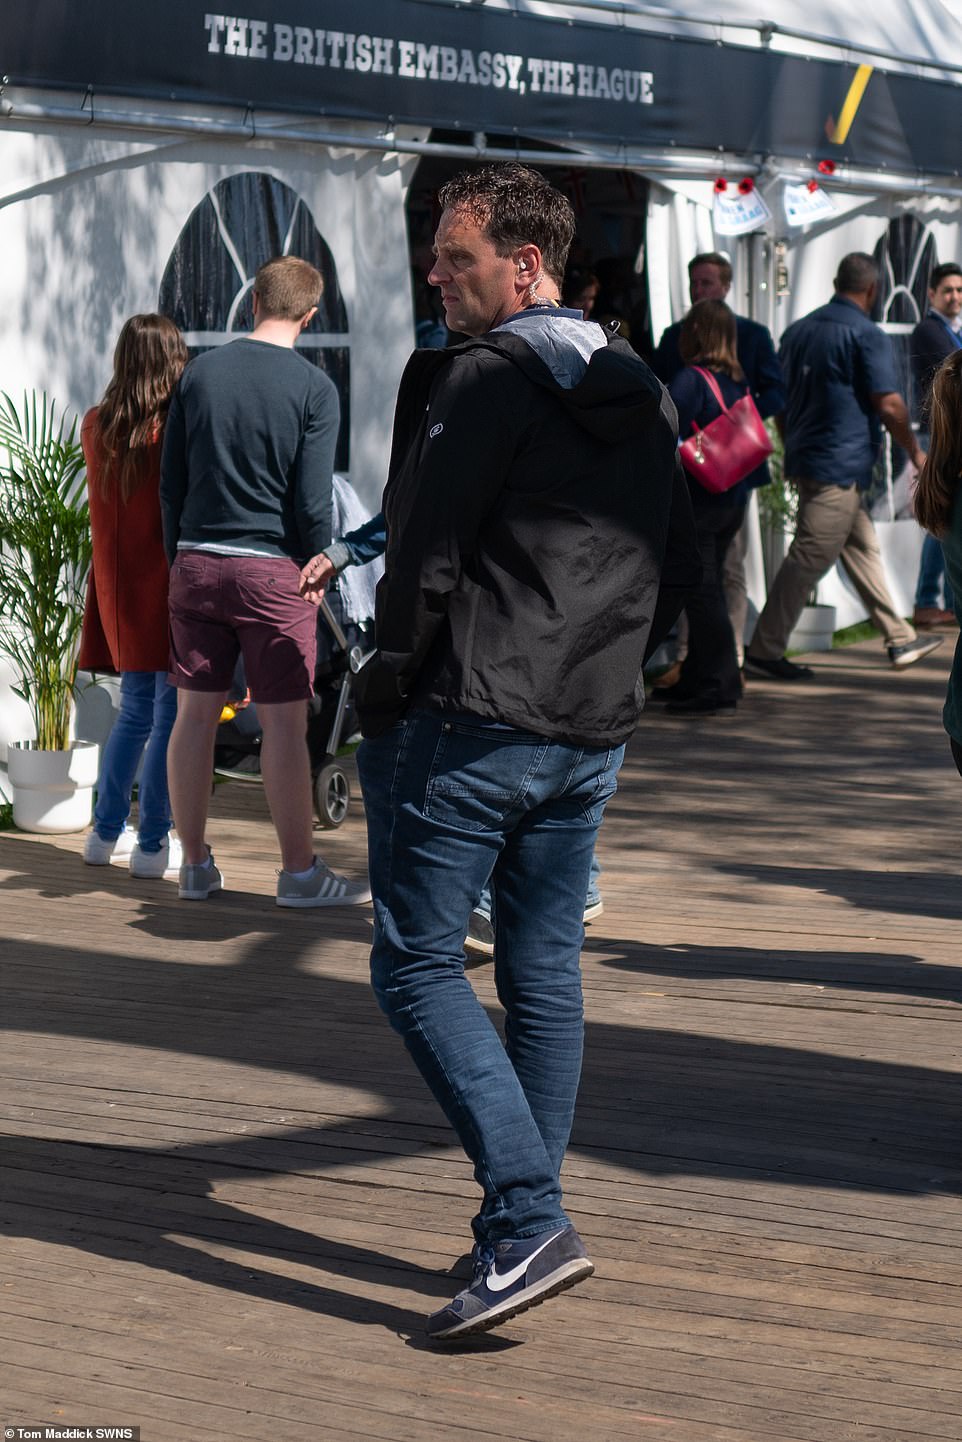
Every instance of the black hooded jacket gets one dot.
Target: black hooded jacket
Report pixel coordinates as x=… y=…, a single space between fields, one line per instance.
x=526 y=535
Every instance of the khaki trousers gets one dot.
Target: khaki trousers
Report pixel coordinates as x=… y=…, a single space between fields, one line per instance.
x=833 y=525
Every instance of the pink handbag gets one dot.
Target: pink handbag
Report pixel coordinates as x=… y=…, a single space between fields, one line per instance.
x=730 y=447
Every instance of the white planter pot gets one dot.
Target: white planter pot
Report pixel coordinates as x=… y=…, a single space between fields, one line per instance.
x=814 y=630
x=53 y=791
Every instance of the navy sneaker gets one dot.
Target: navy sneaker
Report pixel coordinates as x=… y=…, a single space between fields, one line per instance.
x=480 y=938
x=510 y=1277
x=781 y=669
x=912 y=651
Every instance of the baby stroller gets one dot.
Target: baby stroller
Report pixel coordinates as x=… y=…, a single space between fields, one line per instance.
x=342 y=648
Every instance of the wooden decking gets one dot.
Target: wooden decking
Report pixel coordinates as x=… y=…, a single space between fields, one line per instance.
x=228 y=1201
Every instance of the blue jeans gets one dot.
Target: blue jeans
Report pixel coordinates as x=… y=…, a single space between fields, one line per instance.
x=448 y=800
x=148 y=706
x=931 y=573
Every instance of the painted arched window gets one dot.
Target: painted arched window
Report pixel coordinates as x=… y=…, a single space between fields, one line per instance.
x=206 y=287
x=905 y=254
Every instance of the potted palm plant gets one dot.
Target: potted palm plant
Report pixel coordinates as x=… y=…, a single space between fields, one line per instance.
x=44 y=560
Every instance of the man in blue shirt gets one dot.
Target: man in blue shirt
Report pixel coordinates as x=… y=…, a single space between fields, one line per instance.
x=842 y=387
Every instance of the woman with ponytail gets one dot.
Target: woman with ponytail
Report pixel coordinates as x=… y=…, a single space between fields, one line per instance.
x=125 y=623
x=938 y=509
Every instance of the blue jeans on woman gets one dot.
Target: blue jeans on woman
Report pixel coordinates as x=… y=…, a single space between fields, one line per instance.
x=932 y=578
x=148 y=706
x=449 y=800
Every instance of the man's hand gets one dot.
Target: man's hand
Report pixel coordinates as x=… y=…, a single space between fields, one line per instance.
x=892 y=412
x=315 y=577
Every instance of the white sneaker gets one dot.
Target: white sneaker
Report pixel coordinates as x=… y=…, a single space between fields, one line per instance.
x=98 y=852
x=152 y=865
x=322 y=888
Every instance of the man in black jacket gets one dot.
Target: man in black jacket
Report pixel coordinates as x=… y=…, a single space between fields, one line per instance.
x=528 y=504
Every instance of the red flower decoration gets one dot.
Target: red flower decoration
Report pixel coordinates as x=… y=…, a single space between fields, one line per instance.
x=826 y=167
x=721 y=185
x=746 y=186
x=813 y=186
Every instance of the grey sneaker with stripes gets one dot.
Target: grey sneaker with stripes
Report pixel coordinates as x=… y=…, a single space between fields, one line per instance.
x=323 y=887
x=198 y=881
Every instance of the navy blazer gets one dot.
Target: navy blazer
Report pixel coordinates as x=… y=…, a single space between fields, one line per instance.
x=931 y=342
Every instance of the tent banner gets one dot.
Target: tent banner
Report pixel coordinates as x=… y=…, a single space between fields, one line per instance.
x=806 y=204
x=739 y=212
x=501 y=72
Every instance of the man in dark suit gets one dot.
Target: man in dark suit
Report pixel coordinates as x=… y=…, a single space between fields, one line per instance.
x=940 y=332
x=710 y=278
x=935 y=337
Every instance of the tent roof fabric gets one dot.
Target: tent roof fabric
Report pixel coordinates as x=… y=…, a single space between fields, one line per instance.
x=896 y=31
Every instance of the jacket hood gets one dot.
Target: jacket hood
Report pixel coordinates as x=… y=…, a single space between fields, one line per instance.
x=563 y=339
x=617 y=395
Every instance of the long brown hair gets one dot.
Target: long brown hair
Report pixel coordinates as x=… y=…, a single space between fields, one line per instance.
x=939 y=480
x=148 y=359
x=709 y=336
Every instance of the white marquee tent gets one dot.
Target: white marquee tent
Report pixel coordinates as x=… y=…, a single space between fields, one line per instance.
x=152 y=158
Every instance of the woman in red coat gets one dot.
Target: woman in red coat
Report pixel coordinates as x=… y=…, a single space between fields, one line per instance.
x=125 y=622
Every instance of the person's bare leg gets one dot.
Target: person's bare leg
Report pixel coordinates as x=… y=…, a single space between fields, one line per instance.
x=286 y=771
x=190 y=764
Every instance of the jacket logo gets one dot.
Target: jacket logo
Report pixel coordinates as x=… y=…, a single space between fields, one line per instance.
x=435 y=431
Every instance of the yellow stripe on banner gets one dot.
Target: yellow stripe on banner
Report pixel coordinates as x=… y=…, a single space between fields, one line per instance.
x=852 y=102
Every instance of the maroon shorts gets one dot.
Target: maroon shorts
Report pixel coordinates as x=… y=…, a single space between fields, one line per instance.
x=223 y=606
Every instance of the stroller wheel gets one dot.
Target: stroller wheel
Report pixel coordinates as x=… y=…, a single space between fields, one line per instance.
x=332 y=794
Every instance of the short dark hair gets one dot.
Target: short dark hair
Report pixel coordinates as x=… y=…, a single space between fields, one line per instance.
x=516 y=206
x=939 y=273
x=713 y=257
x=287 y=287
x=857 y=273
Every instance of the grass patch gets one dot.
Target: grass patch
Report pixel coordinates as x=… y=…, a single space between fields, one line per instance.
x=861 y=631
x=6 y=816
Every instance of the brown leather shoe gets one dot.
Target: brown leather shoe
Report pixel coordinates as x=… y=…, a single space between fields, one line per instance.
x=924 y=618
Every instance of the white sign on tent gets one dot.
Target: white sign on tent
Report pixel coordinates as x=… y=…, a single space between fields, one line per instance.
x=738 y=212
x=807 y=203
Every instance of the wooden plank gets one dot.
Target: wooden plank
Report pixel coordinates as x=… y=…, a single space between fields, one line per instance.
x=228 y=1201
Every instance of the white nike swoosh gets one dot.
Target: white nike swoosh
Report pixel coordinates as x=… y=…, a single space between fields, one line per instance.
x=500 y=1281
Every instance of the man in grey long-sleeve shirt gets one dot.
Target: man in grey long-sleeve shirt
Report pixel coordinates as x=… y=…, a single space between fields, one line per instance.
x=245 y=499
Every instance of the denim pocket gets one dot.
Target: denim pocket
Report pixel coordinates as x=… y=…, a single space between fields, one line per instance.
x=477 y=778
x=604 y=785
